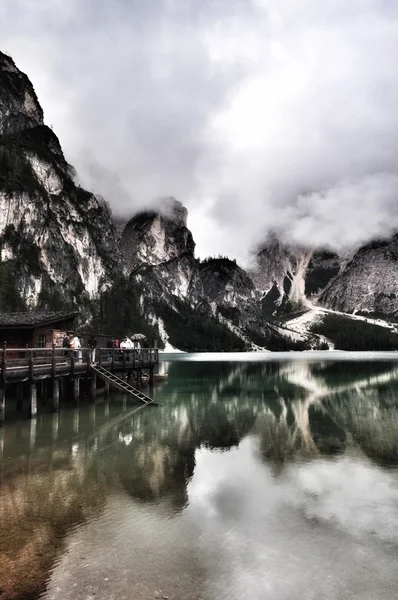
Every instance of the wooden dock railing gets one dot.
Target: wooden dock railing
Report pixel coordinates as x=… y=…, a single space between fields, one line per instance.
x=19 y=365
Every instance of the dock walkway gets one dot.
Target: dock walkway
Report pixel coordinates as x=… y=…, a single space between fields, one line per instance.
x=50 y=372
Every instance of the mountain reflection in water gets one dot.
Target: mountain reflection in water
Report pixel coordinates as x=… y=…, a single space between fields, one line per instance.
x=251 y=480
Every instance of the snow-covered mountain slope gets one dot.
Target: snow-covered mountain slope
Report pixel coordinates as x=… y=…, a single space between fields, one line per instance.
x=56 y=239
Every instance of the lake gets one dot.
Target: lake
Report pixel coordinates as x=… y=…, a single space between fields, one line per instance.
x=257 y=477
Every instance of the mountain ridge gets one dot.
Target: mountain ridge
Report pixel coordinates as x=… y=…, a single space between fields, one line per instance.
x=60 y=248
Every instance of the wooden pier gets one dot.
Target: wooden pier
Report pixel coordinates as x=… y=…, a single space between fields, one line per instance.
x=51 y=373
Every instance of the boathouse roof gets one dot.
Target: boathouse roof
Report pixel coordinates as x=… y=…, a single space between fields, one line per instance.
x=34 y=319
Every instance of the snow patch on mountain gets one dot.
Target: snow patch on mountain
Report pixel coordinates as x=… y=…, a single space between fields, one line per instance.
x=304 y=322
x=164 y=336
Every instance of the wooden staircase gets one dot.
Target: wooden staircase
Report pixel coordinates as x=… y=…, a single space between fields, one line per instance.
x=121 y=385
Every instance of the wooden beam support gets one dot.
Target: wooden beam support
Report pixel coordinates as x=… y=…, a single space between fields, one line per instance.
x=32 y=388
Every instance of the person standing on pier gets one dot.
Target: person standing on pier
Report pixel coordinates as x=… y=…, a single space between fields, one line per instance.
x=92 y=344
x=80 y=352
x=75 y=344
x=66 y=343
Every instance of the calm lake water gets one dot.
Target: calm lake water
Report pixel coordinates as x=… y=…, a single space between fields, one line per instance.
x=254 y=479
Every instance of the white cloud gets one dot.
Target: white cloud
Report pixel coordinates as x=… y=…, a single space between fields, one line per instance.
x=256 y=115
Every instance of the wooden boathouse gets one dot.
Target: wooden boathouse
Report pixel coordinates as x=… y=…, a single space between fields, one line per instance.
x=33 y=363
x=35 y=329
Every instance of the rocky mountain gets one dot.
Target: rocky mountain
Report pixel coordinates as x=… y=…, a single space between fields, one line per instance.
x=180 y=293
x=159 y=260
x=280 y=275
x=159 y=246
x=369 y=281
x=233 y=295
x=60 y=248
x=57 y=240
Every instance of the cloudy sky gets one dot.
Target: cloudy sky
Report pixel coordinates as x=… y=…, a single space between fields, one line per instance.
x=257 y=114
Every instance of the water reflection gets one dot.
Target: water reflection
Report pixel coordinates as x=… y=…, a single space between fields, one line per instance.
x=232 y=449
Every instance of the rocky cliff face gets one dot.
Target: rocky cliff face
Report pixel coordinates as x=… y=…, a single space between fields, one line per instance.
x=232 y=292
x=158 y=248
x=280 y=276
x=369 y=282
x=176 y=289
x=323 y=267
x=19 y=107
x=57 y=239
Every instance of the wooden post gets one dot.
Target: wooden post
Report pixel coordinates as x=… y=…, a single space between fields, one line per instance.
x=31 y=365
x=55 y=396
x=134 y=357
x=72 y=362
x=32 y=388
x=88 y=361
x=3 y=384
x=151 y=381
x=76 y=389
x=53 y=362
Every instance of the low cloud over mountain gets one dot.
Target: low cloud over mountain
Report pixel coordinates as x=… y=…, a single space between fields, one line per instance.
x=259 y=115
